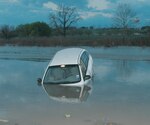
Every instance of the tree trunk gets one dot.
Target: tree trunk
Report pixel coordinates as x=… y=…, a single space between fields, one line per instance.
x=64 y=32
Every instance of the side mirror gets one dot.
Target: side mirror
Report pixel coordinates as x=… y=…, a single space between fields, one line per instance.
x=87 y=77
x=39 y=81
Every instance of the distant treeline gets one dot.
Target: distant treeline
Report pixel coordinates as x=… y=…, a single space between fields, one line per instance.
x=41 y=34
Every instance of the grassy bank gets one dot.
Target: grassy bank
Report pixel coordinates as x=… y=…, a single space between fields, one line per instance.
x=103 y=40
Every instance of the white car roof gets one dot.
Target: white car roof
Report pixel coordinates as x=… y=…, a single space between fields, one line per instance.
x=66 y=56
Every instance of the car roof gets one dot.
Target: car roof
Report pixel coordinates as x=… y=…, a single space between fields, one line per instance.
x=66 y=56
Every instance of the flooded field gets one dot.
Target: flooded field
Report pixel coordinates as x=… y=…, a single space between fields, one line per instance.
x=120 y=91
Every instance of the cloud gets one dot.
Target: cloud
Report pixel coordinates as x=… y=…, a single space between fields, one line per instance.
x=9 y=1
x=148 y=19
x=98 y=4
x=146 y=2
x=35 y=11
x=13 y=1
x=50 y=5
x=141 y=0
x=86 y=15
x=108 y=15
x=134 y=2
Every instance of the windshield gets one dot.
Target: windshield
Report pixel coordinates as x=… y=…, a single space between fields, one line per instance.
x=62 y=74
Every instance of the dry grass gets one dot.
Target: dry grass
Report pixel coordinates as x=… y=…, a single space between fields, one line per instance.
x=79 y=40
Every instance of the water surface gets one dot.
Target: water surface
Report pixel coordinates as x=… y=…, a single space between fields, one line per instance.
x=120 y=90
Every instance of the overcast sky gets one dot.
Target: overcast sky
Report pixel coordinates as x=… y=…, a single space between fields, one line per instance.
x=96 y=13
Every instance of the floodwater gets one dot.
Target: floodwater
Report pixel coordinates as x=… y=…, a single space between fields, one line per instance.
x=120 y=91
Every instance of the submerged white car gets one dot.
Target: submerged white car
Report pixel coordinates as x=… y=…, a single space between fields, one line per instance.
x=69 y=67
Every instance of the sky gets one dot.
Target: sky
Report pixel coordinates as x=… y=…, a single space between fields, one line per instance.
x=97 y=13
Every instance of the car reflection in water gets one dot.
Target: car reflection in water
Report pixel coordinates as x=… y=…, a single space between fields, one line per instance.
x=70 y=94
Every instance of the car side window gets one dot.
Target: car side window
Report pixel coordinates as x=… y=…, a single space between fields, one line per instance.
x=84 y=62
x=83 y=68
x=85 y=58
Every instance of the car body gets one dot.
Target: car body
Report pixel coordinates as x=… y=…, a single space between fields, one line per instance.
x=69 y=67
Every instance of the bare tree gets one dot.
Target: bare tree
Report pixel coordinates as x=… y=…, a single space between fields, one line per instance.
x=125 y=19
x=124 y=16
x=63 y=18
